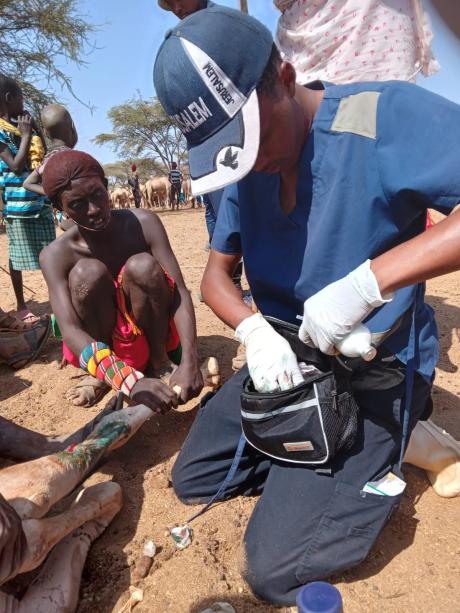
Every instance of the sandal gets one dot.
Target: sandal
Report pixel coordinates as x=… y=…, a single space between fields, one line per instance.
x=11 y=323
x=87 y=392
x=18 y=348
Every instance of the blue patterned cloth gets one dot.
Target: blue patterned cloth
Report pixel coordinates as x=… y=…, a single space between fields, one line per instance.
x=17 y=201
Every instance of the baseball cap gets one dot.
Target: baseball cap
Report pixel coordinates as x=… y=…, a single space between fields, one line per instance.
x=205 y=75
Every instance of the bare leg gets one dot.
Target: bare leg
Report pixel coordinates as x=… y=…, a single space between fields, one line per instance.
x=18 y=443
x=57 y=586
x=16 y=280
x=101 y=500
x=93 y=298
x=32 y=488
x=151 y=302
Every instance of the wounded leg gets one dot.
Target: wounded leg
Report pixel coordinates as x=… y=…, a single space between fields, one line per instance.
x=57 y=586
x=21 y=444
x=101 y=500
x=32 y=488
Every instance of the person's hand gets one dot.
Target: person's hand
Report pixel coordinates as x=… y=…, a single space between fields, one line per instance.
x=188 y=377
x=25 y=125
x=155 y=394
x=271 y=362
x=333 y=312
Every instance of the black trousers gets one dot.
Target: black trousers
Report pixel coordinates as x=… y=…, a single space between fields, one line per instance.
x=306 y=526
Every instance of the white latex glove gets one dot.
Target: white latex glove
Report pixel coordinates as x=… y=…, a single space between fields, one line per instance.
x=333 y=312
x=272 y=363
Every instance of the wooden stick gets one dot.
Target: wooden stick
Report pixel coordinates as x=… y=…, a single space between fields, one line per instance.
x=24 y=285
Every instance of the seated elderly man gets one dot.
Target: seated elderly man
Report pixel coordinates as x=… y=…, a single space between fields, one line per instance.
x=118 y=293
x=29 y=490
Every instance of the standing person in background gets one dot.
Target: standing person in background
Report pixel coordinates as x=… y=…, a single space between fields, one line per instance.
x=182 y=9
x=29 y=220
x=133 y=182
x=60 y=130
x=175 y=179
x=355 y=40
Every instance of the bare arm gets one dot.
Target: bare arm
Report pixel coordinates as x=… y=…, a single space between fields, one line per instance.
x=219 y=291
x=17 y=162
x=33 y=183
x=187 y=376
x=431 y=254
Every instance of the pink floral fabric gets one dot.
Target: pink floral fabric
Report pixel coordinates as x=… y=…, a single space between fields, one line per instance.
x=343 y=41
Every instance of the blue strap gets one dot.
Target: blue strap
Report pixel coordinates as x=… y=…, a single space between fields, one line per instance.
x=226 y=482
x=410 y=371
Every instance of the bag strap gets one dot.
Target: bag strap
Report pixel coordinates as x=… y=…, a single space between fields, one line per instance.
x=226 y=482
x=410 y=372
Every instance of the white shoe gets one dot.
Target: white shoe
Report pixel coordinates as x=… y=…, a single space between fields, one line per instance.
x=435 y=450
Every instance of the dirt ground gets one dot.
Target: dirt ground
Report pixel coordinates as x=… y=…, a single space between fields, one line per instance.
x=413 y=567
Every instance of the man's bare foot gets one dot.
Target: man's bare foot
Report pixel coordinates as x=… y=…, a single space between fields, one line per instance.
x=87 y=392
x=164 y=372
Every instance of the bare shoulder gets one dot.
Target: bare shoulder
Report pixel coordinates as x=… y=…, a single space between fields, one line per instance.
x=60 y=253
x=148 y=219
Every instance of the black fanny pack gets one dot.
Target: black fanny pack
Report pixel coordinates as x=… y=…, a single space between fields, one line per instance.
x=310 y=423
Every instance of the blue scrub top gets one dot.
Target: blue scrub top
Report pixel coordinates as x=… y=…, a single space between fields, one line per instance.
x=369 y=170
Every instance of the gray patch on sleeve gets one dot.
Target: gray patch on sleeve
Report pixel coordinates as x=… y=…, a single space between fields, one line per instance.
x=357 y=114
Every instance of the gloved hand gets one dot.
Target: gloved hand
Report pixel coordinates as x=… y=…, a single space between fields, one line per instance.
x=333 y=312
x=272 y=363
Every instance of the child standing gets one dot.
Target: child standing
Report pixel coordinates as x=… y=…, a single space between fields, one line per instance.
x=60 y=130
x=28 y=217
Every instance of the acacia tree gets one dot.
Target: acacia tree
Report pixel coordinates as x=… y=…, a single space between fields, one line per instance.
x=141 y=128
x=34 y=36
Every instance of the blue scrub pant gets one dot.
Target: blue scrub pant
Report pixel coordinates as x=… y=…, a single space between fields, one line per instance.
x=306 y=526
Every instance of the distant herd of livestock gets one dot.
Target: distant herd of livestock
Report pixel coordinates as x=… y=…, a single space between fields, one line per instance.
x=154 y=192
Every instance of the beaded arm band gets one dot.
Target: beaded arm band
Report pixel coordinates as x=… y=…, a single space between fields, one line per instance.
x=99 y=361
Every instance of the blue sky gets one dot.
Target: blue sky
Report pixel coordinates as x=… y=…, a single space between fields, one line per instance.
x=129 y=36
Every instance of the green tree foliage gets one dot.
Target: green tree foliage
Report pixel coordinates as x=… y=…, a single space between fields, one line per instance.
x=36 y=37
x=141 y=128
